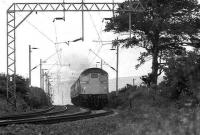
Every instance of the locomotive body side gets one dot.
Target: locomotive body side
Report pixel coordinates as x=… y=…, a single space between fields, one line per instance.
x=91 y=89
x=75 y=89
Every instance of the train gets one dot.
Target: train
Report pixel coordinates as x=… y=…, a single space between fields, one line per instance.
x=90 y=90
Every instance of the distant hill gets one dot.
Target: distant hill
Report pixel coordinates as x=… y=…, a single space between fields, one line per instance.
x=123 y=81
x=126 y=80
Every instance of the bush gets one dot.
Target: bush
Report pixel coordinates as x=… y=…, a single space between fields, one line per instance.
x=122 y=100
x=21 y=85
x=36 y=98
x=182 y=75
x=3 y=84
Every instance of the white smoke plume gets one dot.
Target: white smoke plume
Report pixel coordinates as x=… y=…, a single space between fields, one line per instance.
x=69 y=74
x=77 y=63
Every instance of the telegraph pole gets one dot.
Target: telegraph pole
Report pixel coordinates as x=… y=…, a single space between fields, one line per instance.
x=82 y=22
x=46 y=82
x=117 y=69
x=130 y=21
x=41 y=73
x=117 y=66
x=101 y=64
x=29 y=65
x=30 y=48
x=62 y=97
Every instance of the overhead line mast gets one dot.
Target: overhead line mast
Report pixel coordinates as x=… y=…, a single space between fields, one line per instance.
x=12 y=25
x=102 y=59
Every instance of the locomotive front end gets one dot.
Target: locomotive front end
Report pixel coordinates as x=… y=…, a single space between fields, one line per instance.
x=92 y=89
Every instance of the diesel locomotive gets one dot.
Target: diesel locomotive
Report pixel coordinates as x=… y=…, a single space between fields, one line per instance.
x=90 y=90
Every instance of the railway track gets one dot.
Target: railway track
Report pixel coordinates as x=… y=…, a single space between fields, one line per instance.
x=86 y=114
x=26 y=115
x=54 y=110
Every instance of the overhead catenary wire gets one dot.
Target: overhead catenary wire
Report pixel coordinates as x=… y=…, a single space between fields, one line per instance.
x=99 y=35
x=102 y=59
x=49 y=39
x=99 y=38
x=46 y=59
x=37 y=29
x=56 y=47
x=59 y=63
x=56 y=39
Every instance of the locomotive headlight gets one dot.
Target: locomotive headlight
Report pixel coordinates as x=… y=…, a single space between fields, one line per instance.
x=83 y=90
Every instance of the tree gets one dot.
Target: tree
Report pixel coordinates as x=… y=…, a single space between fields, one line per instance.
x=164 y=26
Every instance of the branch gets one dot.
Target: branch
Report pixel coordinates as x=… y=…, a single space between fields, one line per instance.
x=196 y=45
x=162 y=63
x=160 y=72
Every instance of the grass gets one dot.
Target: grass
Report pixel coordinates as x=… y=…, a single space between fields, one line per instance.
x=148 y=117
x=143 y=120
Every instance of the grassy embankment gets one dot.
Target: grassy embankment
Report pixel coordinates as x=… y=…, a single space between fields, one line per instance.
x=28 y=98
x=148 y=116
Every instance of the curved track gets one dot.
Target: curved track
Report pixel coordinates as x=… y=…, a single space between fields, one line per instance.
x=26 y=115
x=86 y=114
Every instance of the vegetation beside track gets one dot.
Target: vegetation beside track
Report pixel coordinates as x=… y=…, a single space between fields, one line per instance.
x=28 y=99
x=147 y=117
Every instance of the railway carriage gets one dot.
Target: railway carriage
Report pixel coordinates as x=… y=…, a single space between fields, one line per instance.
x=91 y=89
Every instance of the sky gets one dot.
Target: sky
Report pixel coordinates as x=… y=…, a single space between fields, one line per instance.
x=39 y=31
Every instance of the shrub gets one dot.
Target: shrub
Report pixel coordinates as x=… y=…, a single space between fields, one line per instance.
x=36 y=98
x=122 y=100
x=182 y=75
x=22 y=85
x=3 y=84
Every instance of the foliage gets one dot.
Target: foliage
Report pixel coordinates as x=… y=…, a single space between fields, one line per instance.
x=165 y=25
x=21 y=84
x=125 y=95
x=117 y=101
x=146 y=79
x=36 y=98
x=182 y=74
x=3 y=84
x=145 y=119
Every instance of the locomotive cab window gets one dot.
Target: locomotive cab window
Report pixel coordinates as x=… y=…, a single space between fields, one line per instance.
x=94 y=75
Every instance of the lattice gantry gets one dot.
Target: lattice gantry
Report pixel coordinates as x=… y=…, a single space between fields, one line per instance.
x=136 y=7
x=11 y=59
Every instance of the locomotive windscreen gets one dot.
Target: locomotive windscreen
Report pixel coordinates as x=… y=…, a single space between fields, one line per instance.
x=93 y=75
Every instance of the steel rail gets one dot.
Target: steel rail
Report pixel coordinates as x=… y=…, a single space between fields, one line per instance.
x=26 y=115
x=56 y=119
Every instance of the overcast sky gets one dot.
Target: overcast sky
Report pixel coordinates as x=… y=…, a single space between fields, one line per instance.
x=40 y=31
